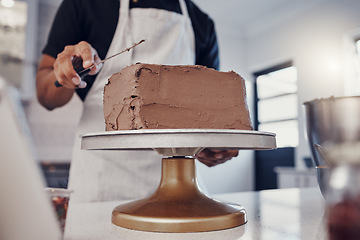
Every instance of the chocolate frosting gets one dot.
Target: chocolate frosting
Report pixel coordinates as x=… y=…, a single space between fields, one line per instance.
x=172 y=97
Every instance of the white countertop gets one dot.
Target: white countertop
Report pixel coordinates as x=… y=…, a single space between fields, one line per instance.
x=272 y=214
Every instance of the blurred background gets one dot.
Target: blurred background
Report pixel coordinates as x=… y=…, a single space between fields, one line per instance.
x=289 y=52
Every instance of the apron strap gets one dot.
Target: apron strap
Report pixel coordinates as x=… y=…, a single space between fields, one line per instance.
x=184 y=9
x=124 y=7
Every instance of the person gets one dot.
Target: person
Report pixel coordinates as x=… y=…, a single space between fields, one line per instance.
x=176 y=32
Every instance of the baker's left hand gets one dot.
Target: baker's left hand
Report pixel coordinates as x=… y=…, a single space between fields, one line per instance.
x=212 y=157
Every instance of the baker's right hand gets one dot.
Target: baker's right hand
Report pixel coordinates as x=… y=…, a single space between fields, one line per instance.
x=63 y=68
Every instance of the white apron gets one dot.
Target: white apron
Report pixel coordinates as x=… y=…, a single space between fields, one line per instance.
x=121 y=175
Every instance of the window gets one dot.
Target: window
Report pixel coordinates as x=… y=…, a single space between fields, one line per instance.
x=357 y=61
x=277 y=104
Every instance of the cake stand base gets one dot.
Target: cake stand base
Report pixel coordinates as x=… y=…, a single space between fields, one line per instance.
x=178 y=205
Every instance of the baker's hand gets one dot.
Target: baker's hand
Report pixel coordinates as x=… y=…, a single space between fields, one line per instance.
x=63 y=68
x=211 y=157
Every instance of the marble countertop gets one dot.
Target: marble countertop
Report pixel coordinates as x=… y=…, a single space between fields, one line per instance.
x=272 y=214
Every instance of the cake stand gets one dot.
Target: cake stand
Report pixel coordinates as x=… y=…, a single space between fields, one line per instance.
x=178 y=205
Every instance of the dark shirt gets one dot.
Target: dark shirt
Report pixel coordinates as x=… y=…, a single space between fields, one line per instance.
x=95 y=21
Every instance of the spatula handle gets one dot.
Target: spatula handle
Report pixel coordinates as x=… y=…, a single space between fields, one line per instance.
x=77 y=63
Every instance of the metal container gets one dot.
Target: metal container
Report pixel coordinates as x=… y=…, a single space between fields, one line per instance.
x=334 y=125
x=333 y=131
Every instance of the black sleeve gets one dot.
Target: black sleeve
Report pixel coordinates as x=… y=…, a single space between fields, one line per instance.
x=207 y=50
x=65 y=29
x=209 y=54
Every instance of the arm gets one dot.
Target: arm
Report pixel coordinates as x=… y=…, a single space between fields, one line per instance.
x=61 y=69
x=65 y=31
x=48 y=95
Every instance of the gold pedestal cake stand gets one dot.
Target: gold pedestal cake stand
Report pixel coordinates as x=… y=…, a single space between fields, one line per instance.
x=178 y=205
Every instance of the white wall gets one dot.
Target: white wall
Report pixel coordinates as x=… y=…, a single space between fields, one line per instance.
x=314 y=40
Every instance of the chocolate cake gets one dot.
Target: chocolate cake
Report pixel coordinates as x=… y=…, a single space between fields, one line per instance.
x=152 y=96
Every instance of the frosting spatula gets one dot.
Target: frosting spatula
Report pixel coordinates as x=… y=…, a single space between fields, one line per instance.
x=77 y=63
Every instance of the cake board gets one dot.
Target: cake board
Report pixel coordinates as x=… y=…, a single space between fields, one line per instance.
x=178 y=205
